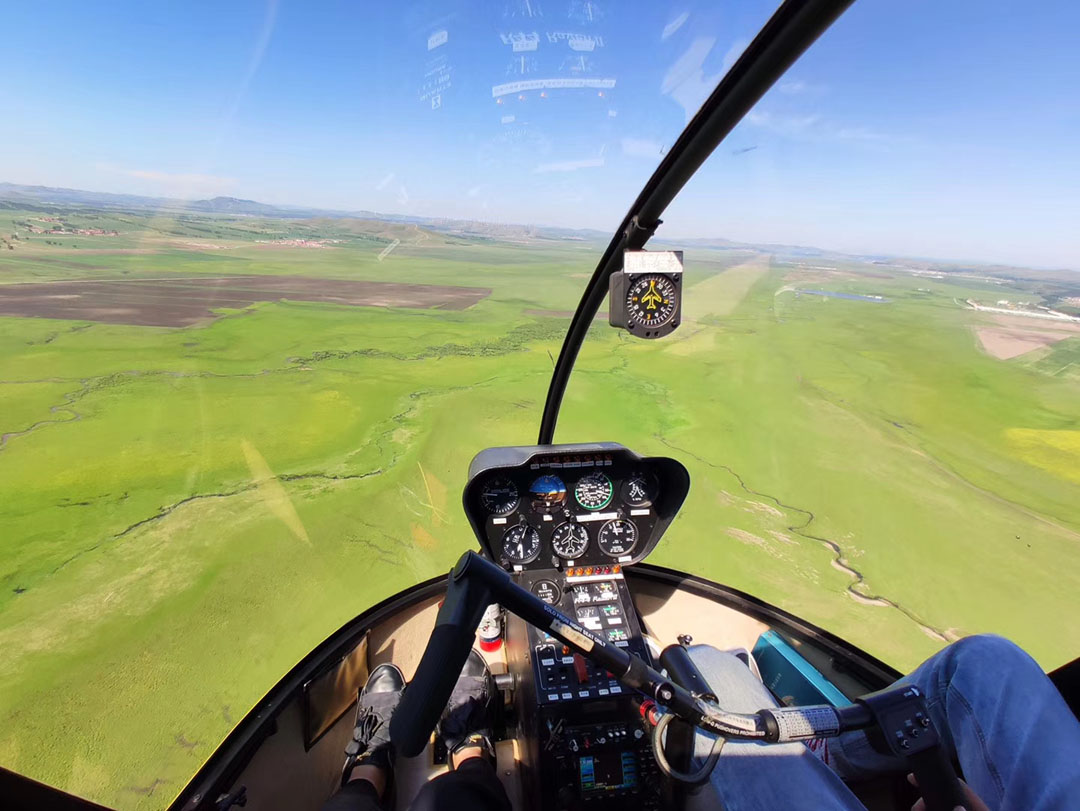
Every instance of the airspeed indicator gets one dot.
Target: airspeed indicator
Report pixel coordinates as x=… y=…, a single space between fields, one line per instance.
x=594 y=491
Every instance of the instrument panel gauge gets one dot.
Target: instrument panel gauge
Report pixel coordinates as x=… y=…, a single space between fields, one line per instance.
x=521 y=543
x=617 y=537
x=499 y=496
x=651 y=300
x=547 y=591
x=639 y=490
x=594 y=491
x=570 y=541
x=548 y=494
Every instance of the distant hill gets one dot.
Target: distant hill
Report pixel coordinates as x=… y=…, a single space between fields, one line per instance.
x=14 y=196
x=35 y=196
x=234 y=206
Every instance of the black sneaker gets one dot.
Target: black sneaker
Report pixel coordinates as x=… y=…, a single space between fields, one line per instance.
x=370 y=744
x=466 y=721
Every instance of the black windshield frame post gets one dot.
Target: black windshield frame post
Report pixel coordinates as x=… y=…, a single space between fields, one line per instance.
x=784 y=38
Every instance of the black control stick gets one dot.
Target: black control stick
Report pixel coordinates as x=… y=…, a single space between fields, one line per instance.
x=899 y=711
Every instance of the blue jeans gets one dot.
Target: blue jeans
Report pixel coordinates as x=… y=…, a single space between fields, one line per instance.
x=1017 y=742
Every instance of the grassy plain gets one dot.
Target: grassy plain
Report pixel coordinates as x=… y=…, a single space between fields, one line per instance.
x=186 y=512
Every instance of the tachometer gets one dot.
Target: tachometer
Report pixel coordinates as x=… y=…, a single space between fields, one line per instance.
x=521 y=543
x=548 y=494
x=499 y=496
x=570 y=541
x=594 y=491
x=617 y=537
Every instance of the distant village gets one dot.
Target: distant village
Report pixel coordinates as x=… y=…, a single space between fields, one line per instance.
x=300 y=243
x=1023 y=308
x=58 y=228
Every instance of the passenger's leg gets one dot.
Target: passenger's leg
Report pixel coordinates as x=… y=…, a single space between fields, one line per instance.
x=472 y=785
x=763 y=777
x=1017 y=741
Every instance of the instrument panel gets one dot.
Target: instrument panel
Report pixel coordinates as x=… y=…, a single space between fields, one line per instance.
x=557 y=506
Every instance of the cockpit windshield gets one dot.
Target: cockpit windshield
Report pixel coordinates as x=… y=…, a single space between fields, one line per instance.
x=271 y=273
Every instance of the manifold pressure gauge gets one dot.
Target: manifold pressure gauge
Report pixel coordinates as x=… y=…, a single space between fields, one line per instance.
x=645 y=298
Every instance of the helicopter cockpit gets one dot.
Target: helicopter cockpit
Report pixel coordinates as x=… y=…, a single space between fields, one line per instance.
x=565 y=521
x=596 y=653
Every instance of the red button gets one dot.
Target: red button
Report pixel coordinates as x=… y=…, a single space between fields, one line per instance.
x=581 y=669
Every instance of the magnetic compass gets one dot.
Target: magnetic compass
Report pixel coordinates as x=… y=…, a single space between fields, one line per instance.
x=646 y=297
x=652 y=300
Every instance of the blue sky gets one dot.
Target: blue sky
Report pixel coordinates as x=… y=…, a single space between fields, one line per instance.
x=913 y=127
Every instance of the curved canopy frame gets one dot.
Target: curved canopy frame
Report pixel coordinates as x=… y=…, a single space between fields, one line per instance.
x=784 y=38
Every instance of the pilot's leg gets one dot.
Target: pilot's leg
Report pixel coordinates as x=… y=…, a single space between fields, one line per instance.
x=465 y=729
x=357 y=795
x=1017 y=742
x=756 y=776
x=472 y=785
x=369 y=755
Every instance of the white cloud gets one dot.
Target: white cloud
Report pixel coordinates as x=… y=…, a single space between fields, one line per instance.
x=814 y=127
x=863 y=134
x=798 y=87
x=182 y=184
x=642 y=148
x=382 y=184
x=675 y=25
x=568 y=166
x=783 y=124
x=734 y=52
x=686 y=81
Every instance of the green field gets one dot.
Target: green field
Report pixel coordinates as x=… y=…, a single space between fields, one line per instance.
x=187 y=512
